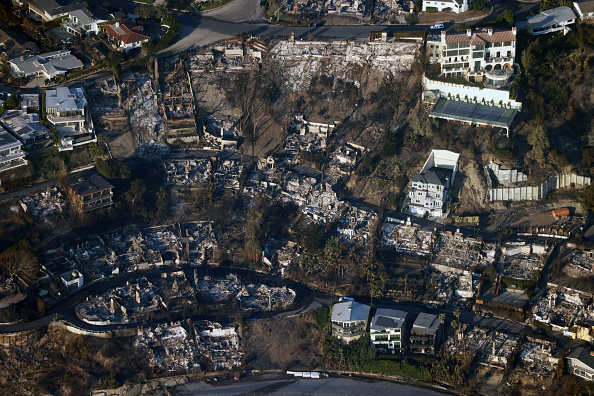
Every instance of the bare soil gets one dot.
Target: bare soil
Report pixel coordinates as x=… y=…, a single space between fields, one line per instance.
x=285 y=343
x=62 y=363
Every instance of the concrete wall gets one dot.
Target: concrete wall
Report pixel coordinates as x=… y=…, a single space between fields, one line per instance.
x=462 y=91
x=530 y=193
x=506 y=176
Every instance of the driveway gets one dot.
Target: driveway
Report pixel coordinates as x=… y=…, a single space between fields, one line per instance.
x=238 y=11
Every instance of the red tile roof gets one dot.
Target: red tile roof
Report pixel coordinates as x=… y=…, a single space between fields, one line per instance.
x=126 y=32
x=481 y=36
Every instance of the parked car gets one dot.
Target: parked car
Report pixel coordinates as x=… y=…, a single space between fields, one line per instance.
x=437 y=26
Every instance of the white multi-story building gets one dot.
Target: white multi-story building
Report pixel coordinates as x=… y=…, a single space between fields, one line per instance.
x=85 y=21
x=580 y=362
x=550 y=21
x=483 y=55
x=67 y=110
x=457 y=6
x=349 y=320
x=388 y=329
x=584 y=9
x=430 y=189
x=11 y=151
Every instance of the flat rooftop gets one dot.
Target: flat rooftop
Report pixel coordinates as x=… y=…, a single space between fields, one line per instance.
x=480 y=114
x=516 y=298
x=90 y=183
x=426 y=323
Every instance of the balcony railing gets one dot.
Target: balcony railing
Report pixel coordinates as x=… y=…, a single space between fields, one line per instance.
x=499 y=60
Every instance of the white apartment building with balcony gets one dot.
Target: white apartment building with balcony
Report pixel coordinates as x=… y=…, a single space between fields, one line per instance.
x=388 y=329
x=430 y=189
x=484 y=55
x=66 y=109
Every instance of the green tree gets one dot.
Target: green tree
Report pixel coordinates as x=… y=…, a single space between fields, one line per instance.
x=135 y=197
x=588 y=157
x=114 y=60
x=311 y=237
x=587 y=199
x=529 y=56
x=507 y=17
x=539 y=142
x=478 y=5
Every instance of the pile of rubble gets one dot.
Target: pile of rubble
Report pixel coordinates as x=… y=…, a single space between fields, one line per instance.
x=147 y=125
x=188 y=172
x=265 y=179
x=220 y=345
x=219 y=289
x=200 y=242
x=454 y=250
x=280 y=254
x=123 y=304
x=524 y=261
x=322 y=204
x=491 y=348
x=307 y=136
x=453 y=283
x=579 y=263
x=230 y=57
x=345 y=159
x=227 y=174
x=169 y=348
x=306 y=59
x=355 y=224
x=407 y=238
x=44 y=204
x=538 y=359
x=130 y=249
x=250 y=296
x=562 y=309
x=297 y=188
x=259 y=297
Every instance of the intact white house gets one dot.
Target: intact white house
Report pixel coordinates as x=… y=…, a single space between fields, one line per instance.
x=349 y=320
x=457 y=6
x=49 y=65
x=580 y=362
x=484 y=55
x=388 y=329
x=430 y=189
x=550 y=21
x=584 y=9
x=11 y=151
x=67 y=110
x=85 y=21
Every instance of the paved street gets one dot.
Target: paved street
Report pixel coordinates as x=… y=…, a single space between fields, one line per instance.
x=284 y=385
x=238 y=11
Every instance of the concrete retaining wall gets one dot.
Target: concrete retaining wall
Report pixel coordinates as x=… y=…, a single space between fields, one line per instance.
x=530 y=193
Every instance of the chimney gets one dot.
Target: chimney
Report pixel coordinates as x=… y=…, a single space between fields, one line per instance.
x=22 y=57
x=514 y=31
x=591 y=353
x=490 y=31
x=469 y=32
